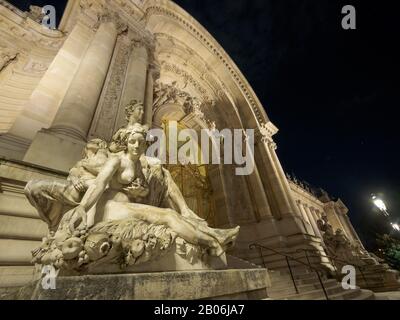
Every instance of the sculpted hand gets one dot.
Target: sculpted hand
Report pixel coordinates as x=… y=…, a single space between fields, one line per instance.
x=137 y=189
x=78 y=220
x=79 y=185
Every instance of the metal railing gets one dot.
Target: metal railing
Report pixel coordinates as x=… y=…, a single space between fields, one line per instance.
x=333 y=261
x=288 y=258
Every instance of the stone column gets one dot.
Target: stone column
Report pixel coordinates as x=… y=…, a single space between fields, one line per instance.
x=314 y=218
x=47 y=96
x=136 y=80
x=306 y=219
x=349 y=229
x=278 y=191
x=260 y=197
x=77 y=110
x=60 y=146
x=333 y=216
x=152 y=75
x=283 y=180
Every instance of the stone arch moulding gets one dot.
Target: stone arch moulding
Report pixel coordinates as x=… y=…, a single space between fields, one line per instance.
x=165 y=17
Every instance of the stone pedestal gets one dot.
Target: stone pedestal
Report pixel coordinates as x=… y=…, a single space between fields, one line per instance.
x=246 y=284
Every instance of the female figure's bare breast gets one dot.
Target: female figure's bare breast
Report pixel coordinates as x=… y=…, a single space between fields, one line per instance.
x=124 y=175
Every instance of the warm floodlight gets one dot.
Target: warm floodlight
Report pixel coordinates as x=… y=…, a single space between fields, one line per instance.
x=395 y=226
x=380 y=205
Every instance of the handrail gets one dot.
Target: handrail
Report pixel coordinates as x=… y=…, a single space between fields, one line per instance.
x=316 y=270
x=333 y=259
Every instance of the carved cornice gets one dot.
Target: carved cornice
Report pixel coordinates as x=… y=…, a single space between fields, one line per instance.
x=94 y=12
x=329 y=205
x=20 y=26
x=218 y=52
x=12 y=8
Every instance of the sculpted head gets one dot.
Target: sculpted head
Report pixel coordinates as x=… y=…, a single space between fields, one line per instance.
x=93 y=146
x=134 y=112
x=136 y=142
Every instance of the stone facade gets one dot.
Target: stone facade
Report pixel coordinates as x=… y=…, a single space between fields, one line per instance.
x=61 y=88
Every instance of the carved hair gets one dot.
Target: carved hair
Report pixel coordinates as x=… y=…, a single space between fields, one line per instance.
x=101 y=145
x=131 y=107
x=137 y=128
x=121 y=143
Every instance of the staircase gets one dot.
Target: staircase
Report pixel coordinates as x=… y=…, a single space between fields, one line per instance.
x=304 y=280
x=309 y=288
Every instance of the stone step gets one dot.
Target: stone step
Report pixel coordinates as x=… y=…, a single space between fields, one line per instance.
x=238 y=263
x=310 y=288
x=288 y=281
x=365 y=295
x=314 y=294
x=357 y=294
x=288 y=290
x=297 y=276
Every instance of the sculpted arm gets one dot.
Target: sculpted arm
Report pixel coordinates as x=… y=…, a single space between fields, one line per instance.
x=95 y=191
x=93 y=194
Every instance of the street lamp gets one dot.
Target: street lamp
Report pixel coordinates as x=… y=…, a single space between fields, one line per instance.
x=380 y=205
x=395 y=226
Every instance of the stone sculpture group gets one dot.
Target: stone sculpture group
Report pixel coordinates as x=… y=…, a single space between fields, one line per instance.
x=119 y=208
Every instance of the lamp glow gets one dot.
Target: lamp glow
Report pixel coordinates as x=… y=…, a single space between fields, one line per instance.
x=380 y=205
x=395 y=226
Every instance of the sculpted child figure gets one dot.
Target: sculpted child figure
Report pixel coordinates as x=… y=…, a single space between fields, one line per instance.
x=52 y=199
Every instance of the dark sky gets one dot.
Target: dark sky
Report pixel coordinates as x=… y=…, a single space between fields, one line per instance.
x=334 y=94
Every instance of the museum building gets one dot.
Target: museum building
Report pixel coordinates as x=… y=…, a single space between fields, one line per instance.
x=60 y=88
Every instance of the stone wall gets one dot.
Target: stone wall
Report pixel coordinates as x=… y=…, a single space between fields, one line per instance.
x=21 y=229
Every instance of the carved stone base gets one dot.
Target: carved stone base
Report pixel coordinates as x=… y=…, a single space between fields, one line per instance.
x=246 y=284
x=170 y=261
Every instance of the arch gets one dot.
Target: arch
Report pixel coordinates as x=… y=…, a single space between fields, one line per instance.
x=166 y=18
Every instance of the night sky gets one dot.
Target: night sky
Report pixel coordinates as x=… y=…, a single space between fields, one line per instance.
x=333 y=93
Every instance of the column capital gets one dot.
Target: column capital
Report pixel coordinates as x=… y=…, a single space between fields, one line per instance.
x=91 y=12
x=267 y=131
x=138 y=41
x=120 y=25
x=264 y=133
x=329 y=205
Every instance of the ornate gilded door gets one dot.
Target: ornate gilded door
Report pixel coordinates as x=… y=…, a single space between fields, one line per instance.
x=194 y=183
